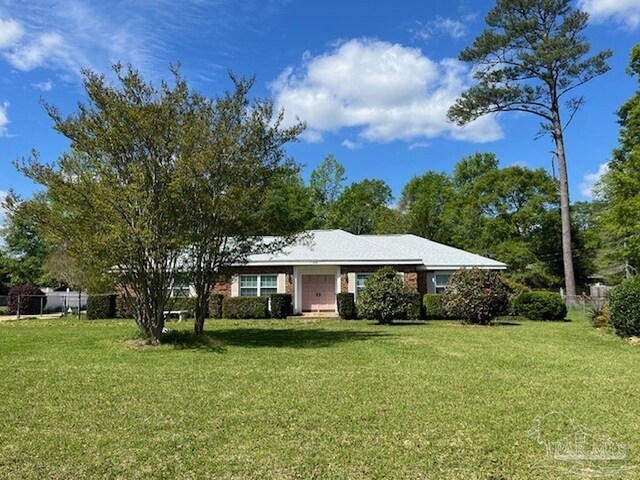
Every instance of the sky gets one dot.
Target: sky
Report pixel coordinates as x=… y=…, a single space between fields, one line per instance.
x=372 y=79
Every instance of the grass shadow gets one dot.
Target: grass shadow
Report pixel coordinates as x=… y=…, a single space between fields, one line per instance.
x=289 y=337
x=187 y=340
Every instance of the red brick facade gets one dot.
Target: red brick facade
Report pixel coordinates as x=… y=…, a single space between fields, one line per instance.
x=414 y=279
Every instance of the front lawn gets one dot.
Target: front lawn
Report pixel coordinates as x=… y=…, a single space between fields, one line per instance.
x=288 y=399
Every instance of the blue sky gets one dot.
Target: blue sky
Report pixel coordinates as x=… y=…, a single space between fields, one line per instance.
x=373 y=79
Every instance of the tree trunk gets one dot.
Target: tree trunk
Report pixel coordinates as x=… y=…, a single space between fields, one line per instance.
x=200 y=313
x=565 y=213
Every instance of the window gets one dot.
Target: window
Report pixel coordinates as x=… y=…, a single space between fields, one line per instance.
x=179 y=289
x=258 y=285
x=441 y=280
x=361 y=281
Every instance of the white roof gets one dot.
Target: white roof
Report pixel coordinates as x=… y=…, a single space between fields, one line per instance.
x=340 y=247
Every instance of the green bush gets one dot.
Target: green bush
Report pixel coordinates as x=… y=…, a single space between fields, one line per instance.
x=215 y=305
x=182 y=303
x=475 y=296
x=281 y=305
x=28 y=299
x=245 y=307
x=600 y=314
x=433 y=307
x=540 y=306
x=101 y=306
x=347 y=306
x=624 y=306
x=124 y=307
x=415 y=312
x=385 y=298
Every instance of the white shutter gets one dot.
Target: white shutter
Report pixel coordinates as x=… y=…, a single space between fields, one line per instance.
x=351 y=278
x=282 y=283
x=235 y=286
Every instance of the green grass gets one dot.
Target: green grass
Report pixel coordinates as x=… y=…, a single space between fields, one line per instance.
x=287 y=399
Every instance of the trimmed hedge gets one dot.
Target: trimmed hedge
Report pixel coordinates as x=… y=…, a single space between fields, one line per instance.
x=123 y=308
x=245 y=307
x=29 y=299
x=281 y=305
x=433 y=307
x=101 y=306
x=475 y=296
x=215 y=305
x=414 y=311
x=347 y=306
x=540 y=306
x=182 y=303
x=624 y=307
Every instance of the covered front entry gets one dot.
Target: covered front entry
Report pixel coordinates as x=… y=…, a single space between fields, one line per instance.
x=318 y=293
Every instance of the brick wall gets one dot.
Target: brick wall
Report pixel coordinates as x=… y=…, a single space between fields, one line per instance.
x=225 y=287
x=412 y=278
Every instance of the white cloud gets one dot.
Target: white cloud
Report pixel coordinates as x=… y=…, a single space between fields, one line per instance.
x=44 y=86
x=4 y=119
x=625 y=12
x=10 y=32
x=351 y=145
x=590 y=180
x=389 y=91
x=415 y=145
x=45 y=49
x=451 y=27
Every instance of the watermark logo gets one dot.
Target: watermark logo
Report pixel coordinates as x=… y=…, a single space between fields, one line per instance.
x=572 y=448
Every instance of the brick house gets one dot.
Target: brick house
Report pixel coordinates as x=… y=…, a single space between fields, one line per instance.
x=329 y=261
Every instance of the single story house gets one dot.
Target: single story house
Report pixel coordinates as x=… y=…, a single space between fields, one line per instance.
x=325 y=262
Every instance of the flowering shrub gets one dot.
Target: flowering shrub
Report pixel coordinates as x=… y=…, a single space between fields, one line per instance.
x=386 y=298
x=475 y=296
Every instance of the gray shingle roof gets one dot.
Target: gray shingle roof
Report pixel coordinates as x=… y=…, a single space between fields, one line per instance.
x=340 y=247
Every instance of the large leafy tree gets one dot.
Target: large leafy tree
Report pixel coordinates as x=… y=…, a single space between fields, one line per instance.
x=355 y=209
x=620 y=187
x=326 y=184
x=227 y=187
x=114 y=192
x=426 y=201
x=25 y=248
x=531 y=58
x=288 y=207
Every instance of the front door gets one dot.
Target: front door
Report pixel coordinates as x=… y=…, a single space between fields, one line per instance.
x=318 y=293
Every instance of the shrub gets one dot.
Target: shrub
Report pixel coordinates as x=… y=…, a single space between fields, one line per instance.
x=600 y=315
x=281 y=305
x=124 y=307
x=245 y=307
x=215 y=305
x=101 y=306
x=540 y=306
x=182 y=303
x=347 y=306
x=29 y=299
x=515 y=288
x=475 y=296
x=433 y=307
x=415 y=312
x=624 y=306
x=385 y=298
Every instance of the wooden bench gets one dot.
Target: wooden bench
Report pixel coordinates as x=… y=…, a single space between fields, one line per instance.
x=182 y=314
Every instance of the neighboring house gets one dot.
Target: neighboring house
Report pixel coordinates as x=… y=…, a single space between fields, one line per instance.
x=325 y=262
